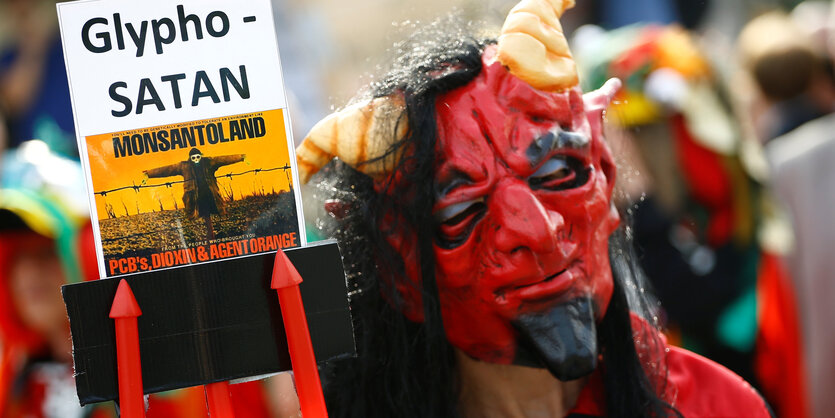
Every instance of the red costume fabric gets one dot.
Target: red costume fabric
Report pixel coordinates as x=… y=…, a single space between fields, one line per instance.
x=700 y=388
x=779 y=337
x=695 y=386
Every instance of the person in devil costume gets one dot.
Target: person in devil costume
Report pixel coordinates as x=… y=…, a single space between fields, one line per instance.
x=473 y=201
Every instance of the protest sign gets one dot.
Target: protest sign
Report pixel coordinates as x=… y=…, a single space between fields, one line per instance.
x=185 y=138
x=183 y=131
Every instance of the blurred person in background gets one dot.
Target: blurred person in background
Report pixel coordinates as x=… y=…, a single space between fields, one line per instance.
x=44 y=244
x=791 y=73
x=613 y=14
x=34 y=94
x=698 y=212
x=803 y=180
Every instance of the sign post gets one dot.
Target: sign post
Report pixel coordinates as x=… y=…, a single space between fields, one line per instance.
x=124 y=311
x=286 y=281
x=218 y=400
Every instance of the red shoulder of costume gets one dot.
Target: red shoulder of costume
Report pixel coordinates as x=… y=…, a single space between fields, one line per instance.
x=694 y=385
x=703 y=388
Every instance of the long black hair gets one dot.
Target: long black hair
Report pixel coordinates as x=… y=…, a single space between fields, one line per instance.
x=407 y=369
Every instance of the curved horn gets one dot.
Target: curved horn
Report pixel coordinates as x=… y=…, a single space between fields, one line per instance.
x=532 y=45
x=600 y=98
x=360 y=135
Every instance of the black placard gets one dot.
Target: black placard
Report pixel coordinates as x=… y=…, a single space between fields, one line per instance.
x=208 y=322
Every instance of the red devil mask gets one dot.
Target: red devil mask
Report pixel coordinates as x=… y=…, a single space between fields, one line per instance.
x=523 y=213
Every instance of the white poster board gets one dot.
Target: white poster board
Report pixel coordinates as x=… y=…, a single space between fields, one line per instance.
x=183 y=130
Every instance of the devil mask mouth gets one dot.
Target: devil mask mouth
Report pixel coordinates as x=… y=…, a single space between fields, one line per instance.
x=562 y=339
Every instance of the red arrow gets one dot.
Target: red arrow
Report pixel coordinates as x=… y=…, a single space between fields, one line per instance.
x=125 y=310
x=286 y=281
x=219 y=401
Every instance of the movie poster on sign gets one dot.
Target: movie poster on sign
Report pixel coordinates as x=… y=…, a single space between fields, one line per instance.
x=183 y=131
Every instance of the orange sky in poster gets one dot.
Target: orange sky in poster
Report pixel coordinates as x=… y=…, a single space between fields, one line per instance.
x=109 y=172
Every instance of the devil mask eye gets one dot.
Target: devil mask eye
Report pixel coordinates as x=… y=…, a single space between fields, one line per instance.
x=560 y=173
x=456 y=222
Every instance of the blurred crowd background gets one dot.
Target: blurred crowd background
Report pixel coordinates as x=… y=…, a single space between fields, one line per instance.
x=723 y=132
